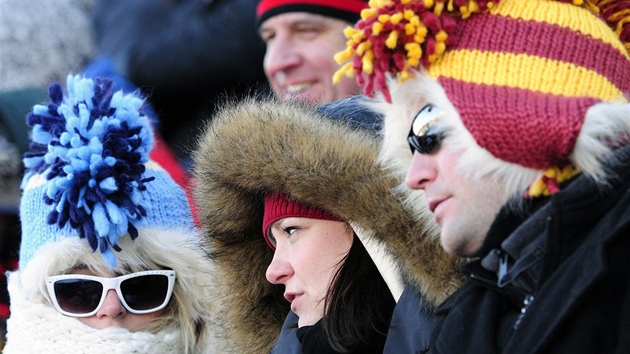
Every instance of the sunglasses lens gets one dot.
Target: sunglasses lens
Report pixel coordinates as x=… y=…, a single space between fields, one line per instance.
x=145 y=292
x=422 y=135
x=78 y=296
x=425 y=144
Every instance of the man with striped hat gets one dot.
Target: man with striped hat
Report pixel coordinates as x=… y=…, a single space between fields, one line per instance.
x=513 y=117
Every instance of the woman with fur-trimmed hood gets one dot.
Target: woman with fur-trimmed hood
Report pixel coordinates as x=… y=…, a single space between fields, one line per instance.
x=326 y=159
x=110 y=260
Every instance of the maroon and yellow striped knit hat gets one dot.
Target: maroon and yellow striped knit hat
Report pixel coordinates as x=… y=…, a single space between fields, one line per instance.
x=521 y=74
x=346 y=10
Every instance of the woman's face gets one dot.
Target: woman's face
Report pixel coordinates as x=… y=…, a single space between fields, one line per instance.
x=113 y=313
x=308 y=254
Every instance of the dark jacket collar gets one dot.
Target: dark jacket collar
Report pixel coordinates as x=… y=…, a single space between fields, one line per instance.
x=518 y=240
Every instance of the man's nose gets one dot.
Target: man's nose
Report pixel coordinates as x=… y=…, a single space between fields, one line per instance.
x=421 y=171
x=281 y=55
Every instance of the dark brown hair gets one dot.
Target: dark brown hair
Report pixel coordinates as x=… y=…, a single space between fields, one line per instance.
x=359 y=305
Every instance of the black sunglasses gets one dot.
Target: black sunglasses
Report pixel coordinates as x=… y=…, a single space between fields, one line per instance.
x=423 y=136
x=80 y=295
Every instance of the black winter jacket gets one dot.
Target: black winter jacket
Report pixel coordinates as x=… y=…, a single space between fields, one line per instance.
x=568 y=291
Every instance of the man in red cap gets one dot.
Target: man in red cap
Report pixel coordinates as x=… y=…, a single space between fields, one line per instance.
x=302 y=37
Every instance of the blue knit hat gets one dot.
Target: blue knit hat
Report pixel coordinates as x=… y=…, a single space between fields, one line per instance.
x=88 y=173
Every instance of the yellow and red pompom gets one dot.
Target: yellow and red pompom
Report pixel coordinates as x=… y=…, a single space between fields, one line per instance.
x=397 y=36
x=549 y=183
x=617 y=14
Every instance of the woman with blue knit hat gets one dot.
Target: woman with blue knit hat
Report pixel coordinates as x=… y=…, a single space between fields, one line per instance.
x=109 y=259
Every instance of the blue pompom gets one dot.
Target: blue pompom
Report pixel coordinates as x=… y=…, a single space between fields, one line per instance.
x=91 y=145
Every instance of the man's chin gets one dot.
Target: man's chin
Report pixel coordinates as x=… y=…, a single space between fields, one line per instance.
x=458 y=243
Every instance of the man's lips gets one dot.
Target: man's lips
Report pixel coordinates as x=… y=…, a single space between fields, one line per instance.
x=297 y=88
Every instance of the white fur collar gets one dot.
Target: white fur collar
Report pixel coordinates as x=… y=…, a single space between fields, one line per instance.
x=38 y=328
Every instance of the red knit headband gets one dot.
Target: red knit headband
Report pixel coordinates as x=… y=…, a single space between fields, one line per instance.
x=279 y=206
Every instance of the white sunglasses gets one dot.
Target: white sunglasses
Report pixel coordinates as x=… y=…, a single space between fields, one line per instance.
x=80 y=295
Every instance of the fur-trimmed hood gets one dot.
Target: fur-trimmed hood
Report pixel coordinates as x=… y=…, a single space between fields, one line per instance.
x=255 y=147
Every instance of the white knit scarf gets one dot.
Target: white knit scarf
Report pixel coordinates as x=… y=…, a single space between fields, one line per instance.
x=39 y=328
